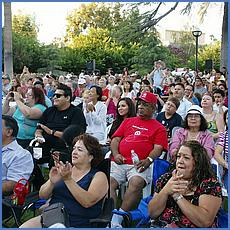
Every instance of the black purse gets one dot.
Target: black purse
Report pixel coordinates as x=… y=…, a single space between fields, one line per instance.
x=55 y=213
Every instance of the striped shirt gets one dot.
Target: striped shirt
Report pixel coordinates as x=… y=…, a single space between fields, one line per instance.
x=223 y=142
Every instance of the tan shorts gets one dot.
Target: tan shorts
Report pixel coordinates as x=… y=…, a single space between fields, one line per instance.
x=123 y=173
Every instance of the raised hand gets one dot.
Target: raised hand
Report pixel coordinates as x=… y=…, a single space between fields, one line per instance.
x=176 y=184
x=65 y=170
x=54 y=175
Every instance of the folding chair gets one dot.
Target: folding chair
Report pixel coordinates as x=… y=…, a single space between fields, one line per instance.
x=32 y=201
x=16 y=212
x=104 y=219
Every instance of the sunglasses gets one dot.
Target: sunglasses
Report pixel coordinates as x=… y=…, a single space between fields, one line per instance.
x=58 y=95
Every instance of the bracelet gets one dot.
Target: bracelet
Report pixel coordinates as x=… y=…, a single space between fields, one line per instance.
x=179 y=197
x=150 y=159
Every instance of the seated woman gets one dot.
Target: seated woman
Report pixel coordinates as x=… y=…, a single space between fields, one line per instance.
x=95 y=114
x=80 y=186
x=190 y=195
x=125 y=109
x=194 y=128
x=26 y=112
x=221 y=151
x=214 y=119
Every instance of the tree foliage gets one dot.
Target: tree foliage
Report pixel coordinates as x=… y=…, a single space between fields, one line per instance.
x=25 y=25
x=115 y=35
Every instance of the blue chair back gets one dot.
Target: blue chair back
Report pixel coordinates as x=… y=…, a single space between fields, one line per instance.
x=160 y=167
x=222 y=219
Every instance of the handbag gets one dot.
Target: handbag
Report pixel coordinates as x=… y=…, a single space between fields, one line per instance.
x=55 y=213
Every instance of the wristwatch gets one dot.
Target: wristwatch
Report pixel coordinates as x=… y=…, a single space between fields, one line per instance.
x=150 y=159
x=179 y=197
x=53 y=131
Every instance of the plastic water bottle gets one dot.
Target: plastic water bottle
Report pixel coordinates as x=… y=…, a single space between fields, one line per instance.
x=135 y=157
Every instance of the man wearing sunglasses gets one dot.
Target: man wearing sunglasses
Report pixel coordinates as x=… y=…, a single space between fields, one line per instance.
x=147 y=138
x=55 y=120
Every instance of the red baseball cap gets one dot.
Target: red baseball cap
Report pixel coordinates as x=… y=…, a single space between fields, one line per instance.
x=148 y=97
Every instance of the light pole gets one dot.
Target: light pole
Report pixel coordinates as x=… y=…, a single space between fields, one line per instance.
x=196 y=34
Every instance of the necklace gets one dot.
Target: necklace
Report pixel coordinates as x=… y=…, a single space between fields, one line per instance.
x=192 y=136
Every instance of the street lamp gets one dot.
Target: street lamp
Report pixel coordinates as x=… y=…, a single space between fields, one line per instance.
x=196 y=34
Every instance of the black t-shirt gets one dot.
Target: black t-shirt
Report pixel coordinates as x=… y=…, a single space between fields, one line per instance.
x=169 y=124
x=59 y=121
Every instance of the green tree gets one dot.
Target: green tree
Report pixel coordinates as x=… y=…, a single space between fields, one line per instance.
x=212 y=51
x=203 y=11
x=25 y=25
x=93 y=15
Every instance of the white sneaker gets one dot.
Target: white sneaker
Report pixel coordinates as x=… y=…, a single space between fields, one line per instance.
x=116 y=225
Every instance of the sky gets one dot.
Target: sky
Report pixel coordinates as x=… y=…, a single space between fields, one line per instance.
x=50 y=17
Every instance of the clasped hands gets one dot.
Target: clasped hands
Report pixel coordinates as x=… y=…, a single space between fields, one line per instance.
x=176 y=185
x=60 y=171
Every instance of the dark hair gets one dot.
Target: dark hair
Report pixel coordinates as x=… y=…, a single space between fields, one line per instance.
x=198 y=96
x=145 y=81
x=191 y=86
x=225 y=117
x=203 y=168
x=15 y=88
x=119 y=118
x=39 y=96
x=199 y=78
x=225 y=86
x=98 y=91
x=39 y=78
x=70 y=133
x=39 y=83
x=181 y=84
x=67 y=90
x=203 y=123
x=172 y=84
x=11 y=123
x=175 y=101
x=220 y=91
x=92 y=145
x=131 y=86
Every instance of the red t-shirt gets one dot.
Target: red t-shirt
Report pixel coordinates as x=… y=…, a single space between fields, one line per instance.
x=105 y=92
x=140 y=135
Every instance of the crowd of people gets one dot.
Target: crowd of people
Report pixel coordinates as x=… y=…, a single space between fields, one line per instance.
x=135 y=117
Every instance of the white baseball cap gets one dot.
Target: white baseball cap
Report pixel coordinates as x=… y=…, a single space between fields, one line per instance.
x=81 y=81
x=195 y=109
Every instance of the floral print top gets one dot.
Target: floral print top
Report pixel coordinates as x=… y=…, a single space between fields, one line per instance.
x=172 y=212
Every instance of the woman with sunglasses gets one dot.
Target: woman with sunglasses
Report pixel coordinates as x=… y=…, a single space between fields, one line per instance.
x=27 y=113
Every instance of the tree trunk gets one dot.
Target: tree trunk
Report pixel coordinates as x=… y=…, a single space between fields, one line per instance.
x=8 y=52
x=224 y=39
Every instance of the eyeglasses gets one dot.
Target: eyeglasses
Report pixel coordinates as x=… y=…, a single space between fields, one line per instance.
x=58 y=95
x=193 y=115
